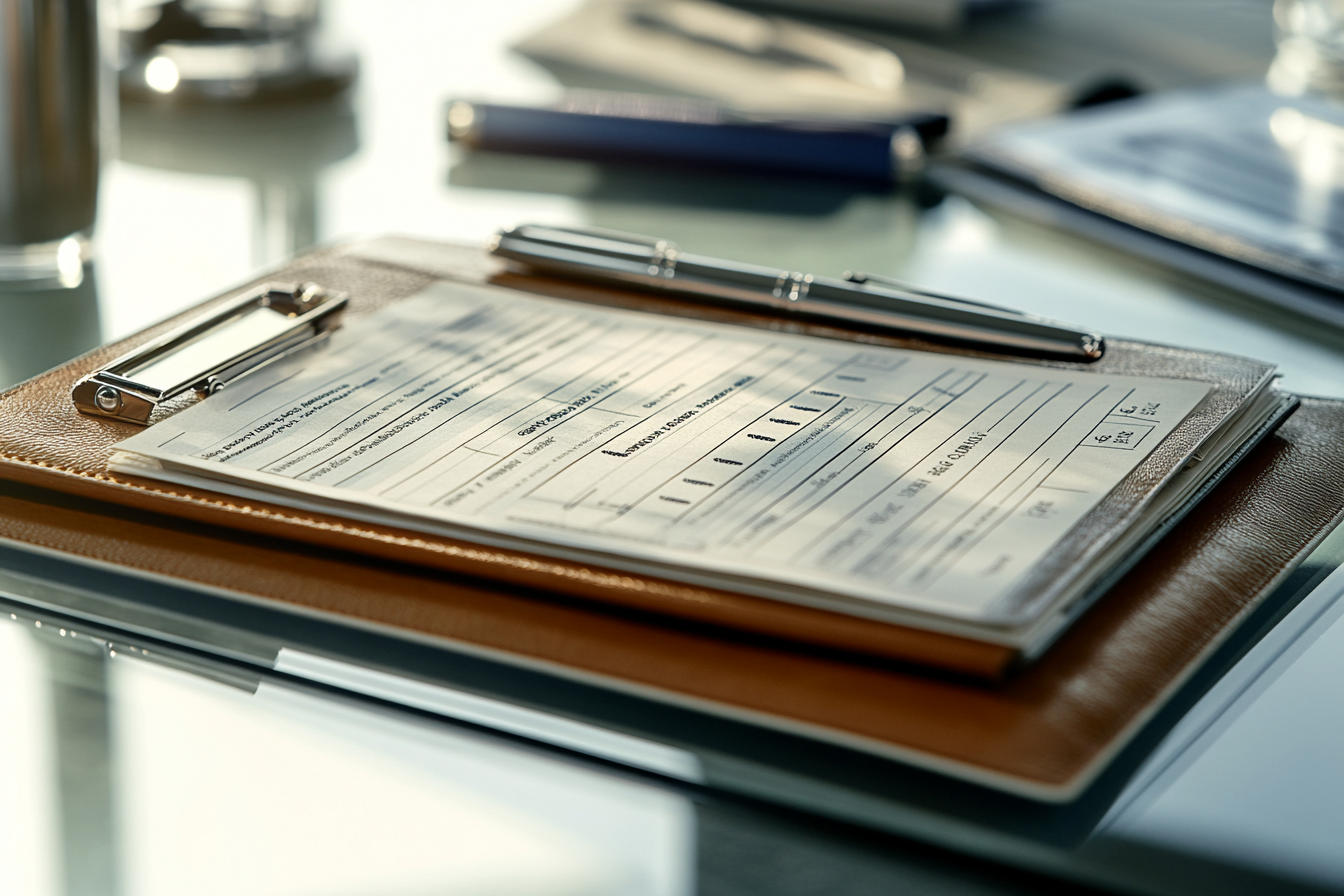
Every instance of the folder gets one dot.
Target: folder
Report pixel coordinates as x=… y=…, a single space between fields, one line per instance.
x=1043 y=732
x=1219 y=182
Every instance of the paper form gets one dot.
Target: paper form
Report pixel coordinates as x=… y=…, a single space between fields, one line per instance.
x=917 y=480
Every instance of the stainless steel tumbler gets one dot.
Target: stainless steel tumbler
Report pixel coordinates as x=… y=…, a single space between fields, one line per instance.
x=49 y=84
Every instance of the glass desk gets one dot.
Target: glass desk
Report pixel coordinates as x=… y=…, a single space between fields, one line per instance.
x=157 y=739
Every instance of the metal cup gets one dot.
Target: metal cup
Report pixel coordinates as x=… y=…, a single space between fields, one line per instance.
x=49 y=85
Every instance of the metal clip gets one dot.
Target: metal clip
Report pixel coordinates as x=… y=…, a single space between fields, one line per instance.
x=206 y=354
x=866 y=280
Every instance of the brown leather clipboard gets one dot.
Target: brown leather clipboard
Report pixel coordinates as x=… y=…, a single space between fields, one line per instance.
x=1043 y=732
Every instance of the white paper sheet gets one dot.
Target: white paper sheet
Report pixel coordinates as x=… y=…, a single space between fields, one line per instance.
x=916 y=480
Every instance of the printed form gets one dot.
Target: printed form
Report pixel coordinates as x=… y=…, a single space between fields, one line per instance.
x=917 y=480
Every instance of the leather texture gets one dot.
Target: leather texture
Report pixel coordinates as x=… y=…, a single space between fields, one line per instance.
x=1044 y=732
x=45 y=441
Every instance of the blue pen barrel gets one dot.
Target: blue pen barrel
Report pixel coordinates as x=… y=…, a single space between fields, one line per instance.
x=850 y=153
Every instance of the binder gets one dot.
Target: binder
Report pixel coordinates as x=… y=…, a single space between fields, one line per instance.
x=1043 y=732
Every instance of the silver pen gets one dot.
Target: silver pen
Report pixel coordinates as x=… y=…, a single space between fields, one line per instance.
x=859 y=299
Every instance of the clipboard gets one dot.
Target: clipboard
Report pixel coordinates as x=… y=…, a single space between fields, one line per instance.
x=1043 y=733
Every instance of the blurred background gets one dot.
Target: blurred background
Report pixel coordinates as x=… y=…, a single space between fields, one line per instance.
x=200 y=190
x=226 y=137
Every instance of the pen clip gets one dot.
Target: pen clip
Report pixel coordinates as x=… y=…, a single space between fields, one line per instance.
x=860 y=278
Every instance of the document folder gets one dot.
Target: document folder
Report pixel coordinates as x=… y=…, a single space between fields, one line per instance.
x=1043 y=732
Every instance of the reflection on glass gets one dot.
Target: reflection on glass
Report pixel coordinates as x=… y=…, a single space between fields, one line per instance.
x=77 y=671
x=47 y=323
x=745 y=218
x=1250 y=776
x=28 y=825
x=135 y=777
x=280 y=150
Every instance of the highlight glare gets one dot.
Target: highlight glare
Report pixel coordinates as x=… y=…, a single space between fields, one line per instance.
x=161 y=74
x=70 y=262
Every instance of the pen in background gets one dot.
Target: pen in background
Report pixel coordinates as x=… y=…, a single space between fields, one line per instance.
x=685 y=133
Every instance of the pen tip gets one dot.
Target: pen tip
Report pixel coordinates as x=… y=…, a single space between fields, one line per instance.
x=463 y=122
x=1093 y=346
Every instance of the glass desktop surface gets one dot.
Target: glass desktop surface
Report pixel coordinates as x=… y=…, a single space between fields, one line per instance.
x=134 y=767
x=127 y=775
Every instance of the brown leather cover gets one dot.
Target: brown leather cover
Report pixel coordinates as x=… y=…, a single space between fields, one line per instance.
x=44 y=441
x=1044 y=732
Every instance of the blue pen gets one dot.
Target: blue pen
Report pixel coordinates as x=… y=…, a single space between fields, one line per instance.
x=668 y=131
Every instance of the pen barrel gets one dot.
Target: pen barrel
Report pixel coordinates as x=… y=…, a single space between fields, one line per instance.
x=874 y=155
x=832 y=300
x=1013 y=332
x=657 y=264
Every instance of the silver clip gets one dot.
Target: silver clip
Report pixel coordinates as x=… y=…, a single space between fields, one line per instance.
x=205 y=354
